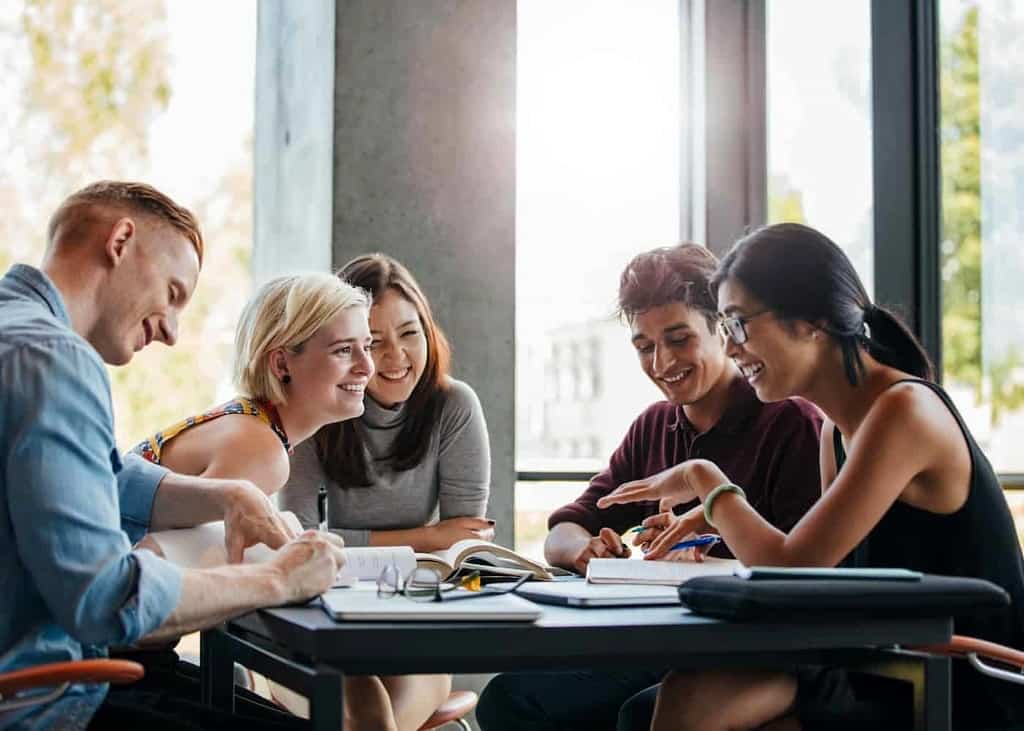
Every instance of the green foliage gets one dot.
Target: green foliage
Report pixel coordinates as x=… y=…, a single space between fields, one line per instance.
x=93 y=78
x=961 y=204
x=97 y=78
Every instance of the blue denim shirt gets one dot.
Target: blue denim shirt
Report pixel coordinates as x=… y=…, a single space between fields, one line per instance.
x=70 y=583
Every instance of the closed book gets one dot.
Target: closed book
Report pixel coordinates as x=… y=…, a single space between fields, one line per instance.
x=667 y=573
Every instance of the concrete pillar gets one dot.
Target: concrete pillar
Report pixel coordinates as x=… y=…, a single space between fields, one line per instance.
x=424 y=170
x=389 y=125
x=392 y=123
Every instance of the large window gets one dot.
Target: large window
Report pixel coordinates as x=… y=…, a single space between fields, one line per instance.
x=597 y=182
x=982 y=123
x=114 y=90
x=819 y=121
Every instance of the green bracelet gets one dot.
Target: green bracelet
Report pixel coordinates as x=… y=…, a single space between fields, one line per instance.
x=710 y=499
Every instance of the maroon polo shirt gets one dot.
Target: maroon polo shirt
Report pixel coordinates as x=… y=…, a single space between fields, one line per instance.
x=770 y=450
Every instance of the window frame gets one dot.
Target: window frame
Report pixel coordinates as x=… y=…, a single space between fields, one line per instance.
x=723 y=63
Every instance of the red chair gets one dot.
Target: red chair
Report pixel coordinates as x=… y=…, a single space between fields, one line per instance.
x=981 y=654
x=58 y=676
x=453 y=710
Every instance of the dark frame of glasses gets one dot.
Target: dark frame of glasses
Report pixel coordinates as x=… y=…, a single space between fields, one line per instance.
x=424 y=585
x=734 y=327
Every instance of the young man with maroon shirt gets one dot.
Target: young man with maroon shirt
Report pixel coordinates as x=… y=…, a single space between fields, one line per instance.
x=710 y=412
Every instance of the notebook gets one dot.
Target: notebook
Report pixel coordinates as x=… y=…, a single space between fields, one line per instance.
x=585 y=594
x=361 y=604
x=666 y=573
x=203 y=547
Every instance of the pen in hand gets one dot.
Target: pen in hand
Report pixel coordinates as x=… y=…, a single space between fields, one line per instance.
x=321 y=507
x=705 y=540
x=708 y=539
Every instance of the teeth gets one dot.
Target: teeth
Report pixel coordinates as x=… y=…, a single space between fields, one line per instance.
x=394 y=375
x=749 y=371
x=353 y=387
x=680 y=376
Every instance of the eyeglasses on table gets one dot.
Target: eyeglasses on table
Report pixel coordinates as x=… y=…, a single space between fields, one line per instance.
x=424 y=585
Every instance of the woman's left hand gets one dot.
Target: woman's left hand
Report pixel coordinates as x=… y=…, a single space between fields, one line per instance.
x=669 y=487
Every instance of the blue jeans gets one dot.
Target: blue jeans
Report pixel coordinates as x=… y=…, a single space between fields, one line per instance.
x=618 y=700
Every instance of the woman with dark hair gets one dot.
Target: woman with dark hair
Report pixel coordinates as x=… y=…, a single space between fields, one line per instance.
x=904 y=484
x=415 y=468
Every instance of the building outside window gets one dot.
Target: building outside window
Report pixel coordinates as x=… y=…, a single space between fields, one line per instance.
x=597 y=182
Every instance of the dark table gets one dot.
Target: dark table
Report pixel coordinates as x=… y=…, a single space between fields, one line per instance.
x=304 y=649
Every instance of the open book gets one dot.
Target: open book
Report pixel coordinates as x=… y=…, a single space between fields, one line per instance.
x=488 y=558
x=203 y=547
x=669 y=573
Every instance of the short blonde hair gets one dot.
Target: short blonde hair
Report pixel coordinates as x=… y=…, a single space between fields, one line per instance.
x=285 y=313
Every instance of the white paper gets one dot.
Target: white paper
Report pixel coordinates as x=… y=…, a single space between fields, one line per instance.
x=203 y=547
x=669 y=573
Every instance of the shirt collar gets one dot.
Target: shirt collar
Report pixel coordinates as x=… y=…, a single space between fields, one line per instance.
x=378 y=416
x=33 y=282
x=742 y=406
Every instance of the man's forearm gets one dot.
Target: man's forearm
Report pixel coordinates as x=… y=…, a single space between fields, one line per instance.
x=183 y=501
x=211 y=596
x=564 y=543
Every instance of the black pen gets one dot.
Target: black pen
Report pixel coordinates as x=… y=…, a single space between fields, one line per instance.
x=321 y=506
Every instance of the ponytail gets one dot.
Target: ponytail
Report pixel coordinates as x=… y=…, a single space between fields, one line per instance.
x=889 y=341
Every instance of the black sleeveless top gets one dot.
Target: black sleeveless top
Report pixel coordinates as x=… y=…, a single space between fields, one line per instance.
x=978 y=540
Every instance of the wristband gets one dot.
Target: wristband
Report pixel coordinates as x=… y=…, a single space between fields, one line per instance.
x=709 y=501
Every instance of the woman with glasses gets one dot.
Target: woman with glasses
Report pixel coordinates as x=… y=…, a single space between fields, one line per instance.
x=904 y=482
x=414 y=469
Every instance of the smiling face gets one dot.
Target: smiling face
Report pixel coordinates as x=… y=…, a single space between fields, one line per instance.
x=331 y=371
x=678 y=352
x=146 y=291
x=399 y=348
x=778 y=359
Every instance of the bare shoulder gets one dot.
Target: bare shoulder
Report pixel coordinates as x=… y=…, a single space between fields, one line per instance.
x=246 y=448
x=912 y=413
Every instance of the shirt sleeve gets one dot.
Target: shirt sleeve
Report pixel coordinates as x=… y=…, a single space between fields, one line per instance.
x=63 y=495
x=137 y=483
x=622 y=467
x=464 y=456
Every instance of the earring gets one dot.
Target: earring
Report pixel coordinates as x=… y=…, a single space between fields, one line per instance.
x=286 y=379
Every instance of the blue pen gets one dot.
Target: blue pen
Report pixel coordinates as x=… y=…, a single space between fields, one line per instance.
x=706 y=540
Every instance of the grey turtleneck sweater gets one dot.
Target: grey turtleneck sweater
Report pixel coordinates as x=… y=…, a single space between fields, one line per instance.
x=452 y=481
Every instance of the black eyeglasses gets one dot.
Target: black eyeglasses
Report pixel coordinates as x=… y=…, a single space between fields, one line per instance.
x=734 y=326
x=424 y=585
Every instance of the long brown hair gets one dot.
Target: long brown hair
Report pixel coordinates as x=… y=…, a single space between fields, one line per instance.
x=339 y=446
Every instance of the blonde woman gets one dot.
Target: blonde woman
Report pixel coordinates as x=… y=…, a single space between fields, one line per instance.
x=302 y=361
